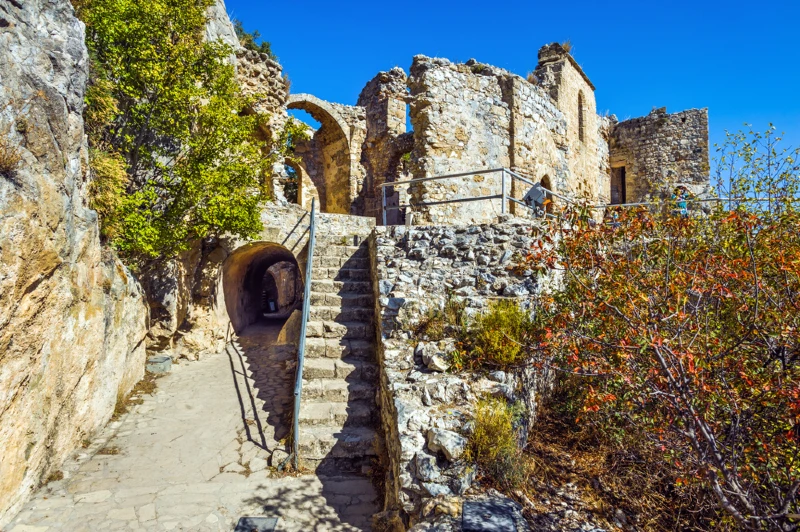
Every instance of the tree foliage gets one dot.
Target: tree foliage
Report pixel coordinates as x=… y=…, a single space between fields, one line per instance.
x=250 y=40
x=165 y=102
x=687 y=329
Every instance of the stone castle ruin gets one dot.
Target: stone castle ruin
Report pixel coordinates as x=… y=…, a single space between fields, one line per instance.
x=473 y=116
x=76 y=326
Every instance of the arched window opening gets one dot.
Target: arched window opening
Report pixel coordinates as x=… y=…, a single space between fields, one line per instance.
x=291 y=184
x=580 y=117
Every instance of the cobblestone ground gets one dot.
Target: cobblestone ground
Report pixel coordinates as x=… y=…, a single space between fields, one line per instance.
x=194 y=457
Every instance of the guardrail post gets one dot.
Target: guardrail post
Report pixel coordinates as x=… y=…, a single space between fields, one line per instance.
x=383 y=204
x=503 y=191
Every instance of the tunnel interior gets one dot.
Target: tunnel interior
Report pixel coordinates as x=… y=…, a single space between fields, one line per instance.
x=261 y=282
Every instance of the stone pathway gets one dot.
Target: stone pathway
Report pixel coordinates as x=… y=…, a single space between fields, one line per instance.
x=193 y=457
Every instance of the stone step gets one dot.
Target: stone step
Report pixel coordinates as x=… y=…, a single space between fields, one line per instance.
x=349 y=368
x=337 y=390
x=336 y=467
x=337 y=313
x=329 y=286
x=343 y=274
x=339 y=348
x=348 y=239
x=343 y=300
x=347 y=330
x=317 y=443
x=352 y=413
x=342 y=251
x=339 y=262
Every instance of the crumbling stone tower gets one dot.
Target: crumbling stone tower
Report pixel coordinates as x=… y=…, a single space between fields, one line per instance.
x=573 y=93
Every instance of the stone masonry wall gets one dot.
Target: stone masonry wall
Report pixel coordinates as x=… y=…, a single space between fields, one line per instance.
x=72 y=317
x=662 y=149
x=384 y=100
x=259 y=75
x=539 y=147
x=425 y=409
x=573 y=94
x=472 y=116
x=461 y=123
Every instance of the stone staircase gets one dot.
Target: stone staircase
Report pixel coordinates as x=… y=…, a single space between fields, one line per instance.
x=338 y=413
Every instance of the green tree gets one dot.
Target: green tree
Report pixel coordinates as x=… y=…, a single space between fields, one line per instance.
x=164 y=107
x=250 y=40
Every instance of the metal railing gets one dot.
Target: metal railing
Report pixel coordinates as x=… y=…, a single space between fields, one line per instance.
x=301 y=348
x=505 y=197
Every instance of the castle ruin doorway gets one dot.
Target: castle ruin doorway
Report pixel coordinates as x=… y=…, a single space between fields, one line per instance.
x=618 y=185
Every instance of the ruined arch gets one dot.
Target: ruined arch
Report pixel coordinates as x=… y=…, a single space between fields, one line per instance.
x=327 y=156
x=248 y=275
x=305 y=186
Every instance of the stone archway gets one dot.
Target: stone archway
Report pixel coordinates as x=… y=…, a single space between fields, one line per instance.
x=306 y=189
x=260 y=280
x=327 y=156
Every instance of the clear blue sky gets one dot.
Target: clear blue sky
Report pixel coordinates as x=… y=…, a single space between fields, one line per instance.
x=741 y=59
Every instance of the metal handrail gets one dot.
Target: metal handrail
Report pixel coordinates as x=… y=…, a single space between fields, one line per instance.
x=301 y=349
x=503 y=193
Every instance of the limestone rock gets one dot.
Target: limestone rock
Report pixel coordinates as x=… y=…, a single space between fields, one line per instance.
x=72 y=318
x=448 y=442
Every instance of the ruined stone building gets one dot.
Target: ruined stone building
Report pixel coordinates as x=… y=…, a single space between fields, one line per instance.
x=473 y=116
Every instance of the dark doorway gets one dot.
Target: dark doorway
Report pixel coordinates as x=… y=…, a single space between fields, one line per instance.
x=618 y=188
x=261 y=282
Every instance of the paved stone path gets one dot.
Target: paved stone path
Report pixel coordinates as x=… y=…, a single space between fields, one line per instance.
x=193 y=457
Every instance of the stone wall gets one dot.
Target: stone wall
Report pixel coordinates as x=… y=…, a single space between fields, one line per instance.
x=384 y=100
x=72 y=318
x=258 y=75
x=424 y=408
x=473 y=116
x=660 y=150
x=539 y=147
x=461 y=123
x=573 y=93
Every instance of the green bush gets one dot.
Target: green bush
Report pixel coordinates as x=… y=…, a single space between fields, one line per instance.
x=497 y=337
x=250 y=40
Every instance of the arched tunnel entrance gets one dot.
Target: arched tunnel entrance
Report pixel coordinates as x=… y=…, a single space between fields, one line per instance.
x=262 y=283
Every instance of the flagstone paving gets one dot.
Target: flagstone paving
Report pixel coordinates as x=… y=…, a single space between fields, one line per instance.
x=194 y=457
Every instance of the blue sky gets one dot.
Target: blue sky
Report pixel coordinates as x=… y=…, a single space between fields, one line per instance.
x=740 y=59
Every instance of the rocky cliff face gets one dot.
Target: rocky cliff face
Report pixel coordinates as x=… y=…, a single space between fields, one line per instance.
x=72 y=318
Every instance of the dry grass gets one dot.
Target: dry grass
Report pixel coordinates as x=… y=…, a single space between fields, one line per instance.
x=532 y=79
x=54 y=477
x=494 y=446
x=109 y=451
x=567 y=46
x=10 y=156
x=439 y=324
x=145 y=386
x=610 y=476
x=109 y=181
